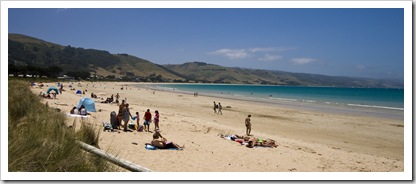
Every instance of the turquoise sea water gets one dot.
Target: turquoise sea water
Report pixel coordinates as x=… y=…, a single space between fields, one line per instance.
x=376 y=98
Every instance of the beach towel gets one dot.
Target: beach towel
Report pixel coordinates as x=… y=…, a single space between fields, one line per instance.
x=76 y=115
x=148 y=146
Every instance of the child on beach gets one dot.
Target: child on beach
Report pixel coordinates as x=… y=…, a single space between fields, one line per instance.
x=156 y=120
x=137 y=121
x=147 y=119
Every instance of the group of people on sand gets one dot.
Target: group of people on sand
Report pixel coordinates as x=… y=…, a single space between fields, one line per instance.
x=158 y=141
x=217 y=108
x=80 y=111
x=48 y=95
x=124 y=115
x=109 y=100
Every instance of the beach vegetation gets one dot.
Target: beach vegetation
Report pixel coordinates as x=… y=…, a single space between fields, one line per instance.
x=39 y=140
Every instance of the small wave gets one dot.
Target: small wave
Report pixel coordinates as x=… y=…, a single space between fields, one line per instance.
x=375 y=106
x=284 y=99
x=238 y=95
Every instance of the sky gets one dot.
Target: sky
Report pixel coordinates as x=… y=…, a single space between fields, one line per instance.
x=356 y=42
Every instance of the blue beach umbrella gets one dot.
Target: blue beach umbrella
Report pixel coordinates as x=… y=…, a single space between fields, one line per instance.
x=79 y=92
x=52 y=88
x=88 y=103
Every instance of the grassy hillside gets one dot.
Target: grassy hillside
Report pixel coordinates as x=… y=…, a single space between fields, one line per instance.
x=203 y=72
x=28 y=55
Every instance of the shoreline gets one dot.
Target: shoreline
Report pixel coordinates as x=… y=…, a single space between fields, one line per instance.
x=342 y=109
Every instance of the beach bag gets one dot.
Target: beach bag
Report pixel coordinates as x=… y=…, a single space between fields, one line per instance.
x=113 y=119
x=140 y=129
x=107 y=126
x=131 y=125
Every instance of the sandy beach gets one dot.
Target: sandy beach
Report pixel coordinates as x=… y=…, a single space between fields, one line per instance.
x=308 y=140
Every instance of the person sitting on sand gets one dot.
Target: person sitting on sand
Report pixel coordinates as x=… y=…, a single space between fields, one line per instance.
x=157 y=134
x=248 y=125
x=73 y=111
x=164 y=144
x=82 y=111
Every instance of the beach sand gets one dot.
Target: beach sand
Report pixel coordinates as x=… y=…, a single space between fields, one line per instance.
x=308 y=140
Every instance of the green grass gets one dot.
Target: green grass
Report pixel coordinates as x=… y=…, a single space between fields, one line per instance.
x=39 y=140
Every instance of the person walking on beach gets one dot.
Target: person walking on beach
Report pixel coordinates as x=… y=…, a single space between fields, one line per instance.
x=156 y=120
x=215 y=107
x=219 y=108
x=147 y=118
x=61 y=89
x=126 y=116
x=248 y=125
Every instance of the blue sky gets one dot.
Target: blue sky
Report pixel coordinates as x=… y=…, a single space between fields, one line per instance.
x=358 y=42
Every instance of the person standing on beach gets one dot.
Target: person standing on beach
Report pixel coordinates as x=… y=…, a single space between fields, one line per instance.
x=120 y=108
x=117 y=97
x=248 y=125
x=215 y=107
x=126 y=116
x=156 y=120
x=147 y=118
x=219 y=108
x=61 y=89
x=137 y=121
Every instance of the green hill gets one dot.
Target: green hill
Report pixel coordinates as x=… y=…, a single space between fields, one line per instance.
x=28 y=55
x=203 y=72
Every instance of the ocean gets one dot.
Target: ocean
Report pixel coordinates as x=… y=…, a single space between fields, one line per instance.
x=375 y=99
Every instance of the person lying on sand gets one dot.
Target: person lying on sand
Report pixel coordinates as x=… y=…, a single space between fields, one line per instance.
x=262 y=143
x=164 y=144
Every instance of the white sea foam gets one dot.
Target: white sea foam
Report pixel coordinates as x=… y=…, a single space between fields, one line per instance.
x=375 y=106
x=284 y=99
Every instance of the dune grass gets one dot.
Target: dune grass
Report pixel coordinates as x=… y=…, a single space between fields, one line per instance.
x=39 y=140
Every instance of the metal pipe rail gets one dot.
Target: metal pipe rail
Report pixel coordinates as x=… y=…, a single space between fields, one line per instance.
x=113 y=159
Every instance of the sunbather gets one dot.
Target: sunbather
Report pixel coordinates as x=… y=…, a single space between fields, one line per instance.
x=164 y=144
